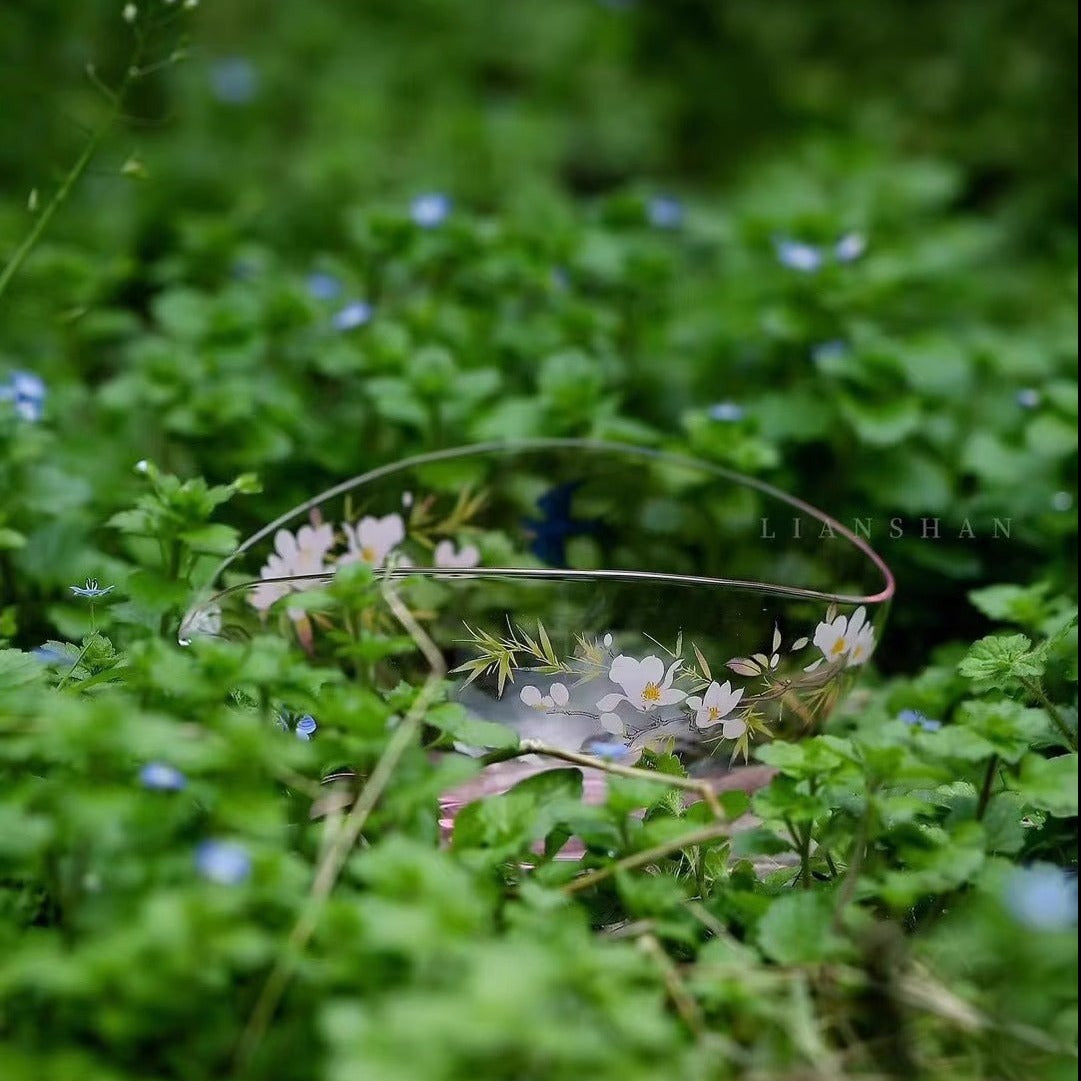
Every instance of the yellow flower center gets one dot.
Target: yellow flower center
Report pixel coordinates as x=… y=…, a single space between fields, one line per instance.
x=839 y=647
x=714 y=713
x=651 y=693
x=367 y=553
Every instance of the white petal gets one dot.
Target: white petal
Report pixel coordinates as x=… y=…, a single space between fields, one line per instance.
x=828 y=634
x=799 y=643
x=531 y=696
x=610 y=701
x=776 y=638
x=671 y=673
x=607 y=640
x=275 y=567
x=559 y=694
x=734 y=727
x=712 y=697
x=652 y=670
x=611 y=722
x=263 y=596
x=468 y=555
x=731 y=699
x=627 y=672
x=315 y=541
x=285 y=543
x=694 y=702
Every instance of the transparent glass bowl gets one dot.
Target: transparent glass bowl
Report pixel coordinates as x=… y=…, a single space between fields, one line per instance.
x=594 y=597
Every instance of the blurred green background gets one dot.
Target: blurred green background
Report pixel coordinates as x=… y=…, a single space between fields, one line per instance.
x=170 y=310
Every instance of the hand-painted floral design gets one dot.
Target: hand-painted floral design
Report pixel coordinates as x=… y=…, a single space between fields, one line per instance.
x=557 y=697
x=646 y=685
x=373 y=539
x=714 y=708
x=844 y=638
x=294 y=556
x=446 y=555
x=613 y=723
x=678 y=698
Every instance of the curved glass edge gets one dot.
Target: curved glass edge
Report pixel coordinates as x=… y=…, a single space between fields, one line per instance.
x=510 y=447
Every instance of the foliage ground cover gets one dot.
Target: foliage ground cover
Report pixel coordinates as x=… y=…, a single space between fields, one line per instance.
x=832 y=247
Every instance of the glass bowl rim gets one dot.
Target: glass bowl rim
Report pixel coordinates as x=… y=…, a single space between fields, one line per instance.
x=209 y=594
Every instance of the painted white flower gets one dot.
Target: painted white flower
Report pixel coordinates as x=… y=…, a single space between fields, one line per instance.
x=373 y=539
x=714 y=708
x=266 y=593
x=848 y=638
x=556 y=698
x=447 y=556
x=646 y=685
x=302 y=554
x=863 y=645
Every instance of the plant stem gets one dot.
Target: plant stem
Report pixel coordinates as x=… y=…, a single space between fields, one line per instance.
x=534 y=746
x=345 y=840
x=1033 y=687
x=71 y=671
x=681 y=997
x=855 y=864
x=18 y=257
x=805 y=857
x=988 y=783
x=648 y=855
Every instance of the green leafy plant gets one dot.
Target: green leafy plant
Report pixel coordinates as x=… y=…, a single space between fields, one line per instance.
x=230 y=860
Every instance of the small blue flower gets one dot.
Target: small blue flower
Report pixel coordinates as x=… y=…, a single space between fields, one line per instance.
x=850 y=247
x=664 y=212
x=51 y=655
x=234 y=81
x=26 y=391
x=306 y=726
x=430 y=209
x=1027 y=398
x=606 y=748
x=28 y=385
x=323 y=286
x=355 y=314
x=91 y=590
x=225 y=862
x=831 y=350
x=797 y=255
x=161 y=777
x=727 y=412
x=1042 y=897
x=915 y=719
